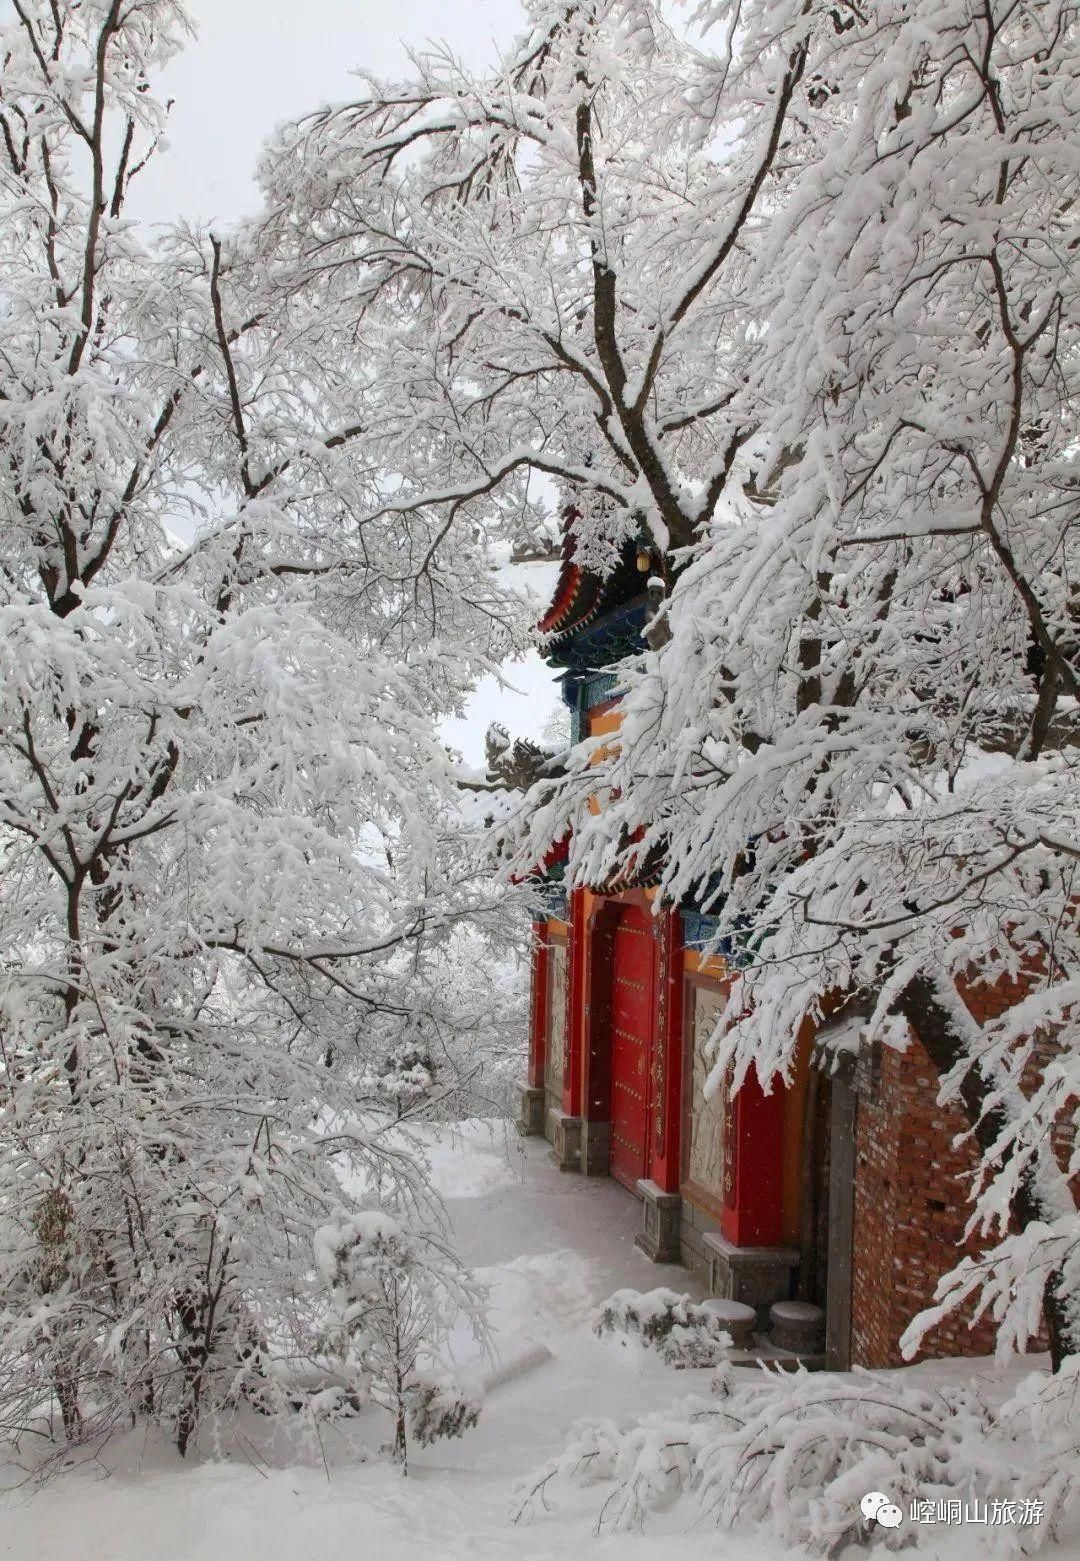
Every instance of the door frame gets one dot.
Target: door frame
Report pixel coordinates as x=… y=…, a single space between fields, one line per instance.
x=842 y=1124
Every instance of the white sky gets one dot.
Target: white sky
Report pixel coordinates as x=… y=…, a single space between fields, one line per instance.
x=256 y=63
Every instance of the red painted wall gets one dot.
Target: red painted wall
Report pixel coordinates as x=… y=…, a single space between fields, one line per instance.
x=575 y=1001
x=667 y=1061
x=753 y=1208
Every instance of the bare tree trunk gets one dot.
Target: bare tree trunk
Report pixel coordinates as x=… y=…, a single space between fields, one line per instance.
x=401 y=1445
x=197 y=1320
x=67 y=1393
x=194 y=1361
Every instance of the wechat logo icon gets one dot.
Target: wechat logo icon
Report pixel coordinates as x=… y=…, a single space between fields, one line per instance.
x=876 y=1507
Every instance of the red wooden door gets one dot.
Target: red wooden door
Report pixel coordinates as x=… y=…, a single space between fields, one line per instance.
x=633 y=1002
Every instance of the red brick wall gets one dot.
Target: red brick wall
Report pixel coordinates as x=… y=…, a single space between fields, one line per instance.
x=912 y=1189
x=911 y=1206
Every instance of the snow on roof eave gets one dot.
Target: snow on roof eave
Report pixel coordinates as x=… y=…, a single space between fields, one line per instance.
x=553 y=640
x=571 y=578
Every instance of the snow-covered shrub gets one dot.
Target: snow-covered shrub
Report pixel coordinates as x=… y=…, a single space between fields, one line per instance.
x=407 y=1076
x=395 y=1296
x=795 y=1453
x=682 y=1332
x=439 y=1407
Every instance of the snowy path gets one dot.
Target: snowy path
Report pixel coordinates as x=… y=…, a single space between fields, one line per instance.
x=551 y=1247
x=526 y=1229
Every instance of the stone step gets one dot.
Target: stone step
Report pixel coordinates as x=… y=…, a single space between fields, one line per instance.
x=798 y=1326
x=768 y=1355
x=734 y=1316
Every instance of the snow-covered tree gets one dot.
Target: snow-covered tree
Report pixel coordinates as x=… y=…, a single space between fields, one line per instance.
x=229 y=835
x=550 y=264
x=860 y=741
x=396 y=1297
x=795 y=307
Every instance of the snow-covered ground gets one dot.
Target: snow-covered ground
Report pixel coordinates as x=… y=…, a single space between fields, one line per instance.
x=550 y=1247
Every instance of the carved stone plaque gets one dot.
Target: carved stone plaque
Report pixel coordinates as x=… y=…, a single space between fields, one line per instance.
x=706 y=1164
x=556 y=1039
